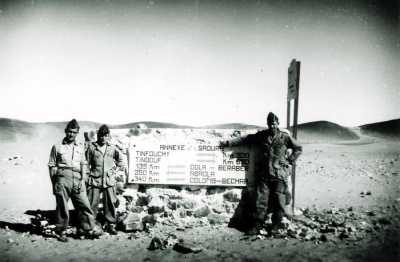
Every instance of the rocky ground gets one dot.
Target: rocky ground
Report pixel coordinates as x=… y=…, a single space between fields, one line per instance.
x=348 y=196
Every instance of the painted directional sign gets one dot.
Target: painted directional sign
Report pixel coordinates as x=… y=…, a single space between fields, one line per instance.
x=293 y=79
x=183 y=160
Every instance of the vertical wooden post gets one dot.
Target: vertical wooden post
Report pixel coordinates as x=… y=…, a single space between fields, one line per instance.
x=288 y=115
x=293 y=94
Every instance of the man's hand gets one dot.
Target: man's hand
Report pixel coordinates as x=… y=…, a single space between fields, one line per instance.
x=223 y=144
x=291 y=160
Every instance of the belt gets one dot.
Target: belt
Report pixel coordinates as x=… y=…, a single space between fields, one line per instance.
x=69 y=168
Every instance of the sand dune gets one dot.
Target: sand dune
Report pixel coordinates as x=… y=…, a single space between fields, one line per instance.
x=12 y=130
x=387 y=129
x=324 y=131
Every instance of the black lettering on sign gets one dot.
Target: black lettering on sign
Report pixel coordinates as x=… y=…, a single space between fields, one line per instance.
x=153 y=180
x=240 y=155
x=231 y=168
x=153 y=173
x=202 y=180
x=140 y=172
x=198 y=167
x=141 y=165
x=172 y=147
x=208 y=148
x=231 y=181
x=148 y=159
x=139 y=179
x=151 y=153
x=201 y=173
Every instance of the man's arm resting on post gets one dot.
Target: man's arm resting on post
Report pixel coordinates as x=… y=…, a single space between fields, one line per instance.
x=297 y=150
x=236 y=141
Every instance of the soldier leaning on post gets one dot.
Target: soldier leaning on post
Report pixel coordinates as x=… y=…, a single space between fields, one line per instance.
x=272 y=176
x=67 y=167
x=103 y=160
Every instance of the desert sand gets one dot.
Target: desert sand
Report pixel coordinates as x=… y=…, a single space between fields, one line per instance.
x=360 y=175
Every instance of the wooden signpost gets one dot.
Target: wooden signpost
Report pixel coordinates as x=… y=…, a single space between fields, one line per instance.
x=293 y=95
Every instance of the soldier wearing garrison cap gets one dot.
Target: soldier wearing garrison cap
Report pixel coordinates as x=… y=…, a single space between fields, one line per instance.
x=104 y=159
x=67 y=167
x=272 y=175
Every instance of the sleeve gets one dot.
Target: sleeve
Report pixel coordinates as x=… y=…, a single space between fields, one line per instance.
x=249 y=139
x=296 y=147
x=84 y=163
x=88 y=156
x=119 y=159
x=53 y=157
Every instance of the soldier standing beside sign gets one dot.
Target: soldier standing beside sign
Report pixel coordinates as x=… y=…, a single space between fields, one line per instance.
x=272 y=176
x=103 y=160
x=67 y=167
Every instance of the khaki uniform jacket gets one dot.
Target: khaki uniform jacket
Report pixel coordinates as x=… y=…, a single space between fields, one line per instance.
x=103 y=167
x=69 y=159
x=276 y=159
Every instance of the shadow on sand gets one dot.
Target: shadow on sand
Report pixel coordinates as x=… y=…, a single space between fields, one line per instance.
x=37 y=216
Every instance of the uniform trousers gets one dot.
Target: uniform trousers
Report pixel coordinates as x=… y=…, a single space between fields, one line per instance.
x=108 y=202
x=271 y=196
x=66 y=187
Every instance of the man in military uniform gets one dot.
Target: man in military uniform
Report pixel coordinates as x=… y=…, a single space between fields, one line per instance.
x=104 y=159
x=67 y=167
x=272 y=175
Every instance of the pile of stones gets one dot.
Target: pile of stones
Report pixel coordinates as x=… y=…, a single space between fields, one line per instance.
x=41 y=225
x=329 y=225
x=140 y=209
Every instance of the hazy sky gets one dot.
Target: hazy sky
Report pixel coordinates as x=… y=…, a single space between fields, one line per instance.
x=198 y=62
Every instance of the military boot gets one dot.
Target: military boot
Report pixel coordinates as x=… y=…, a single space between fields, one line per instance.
x=255 y=230
x=111 y=229
x=61 y=235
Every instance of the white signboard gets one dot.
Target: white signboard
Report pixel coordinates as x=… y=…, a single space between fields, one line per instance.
x=185 y=160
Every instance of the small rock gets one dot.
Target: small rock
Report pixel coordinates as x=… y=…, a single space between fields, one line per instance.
x=202 y=212
x=150 y=219
x=233 y=195
x=217 y=219
x=136 y=209
x=156 y=205
x=143 y=199
x=44 y=223
x=350 y=229
x=344 y=235
x=324 y=238
x=132 y=222
x=186 y=248
x=384 y=221
x=134 y=236
x=156 y=243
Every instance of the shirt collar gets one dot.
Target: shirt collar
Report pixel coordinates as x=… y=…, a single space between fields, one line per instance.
x=64 y=142
x=97 y=145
